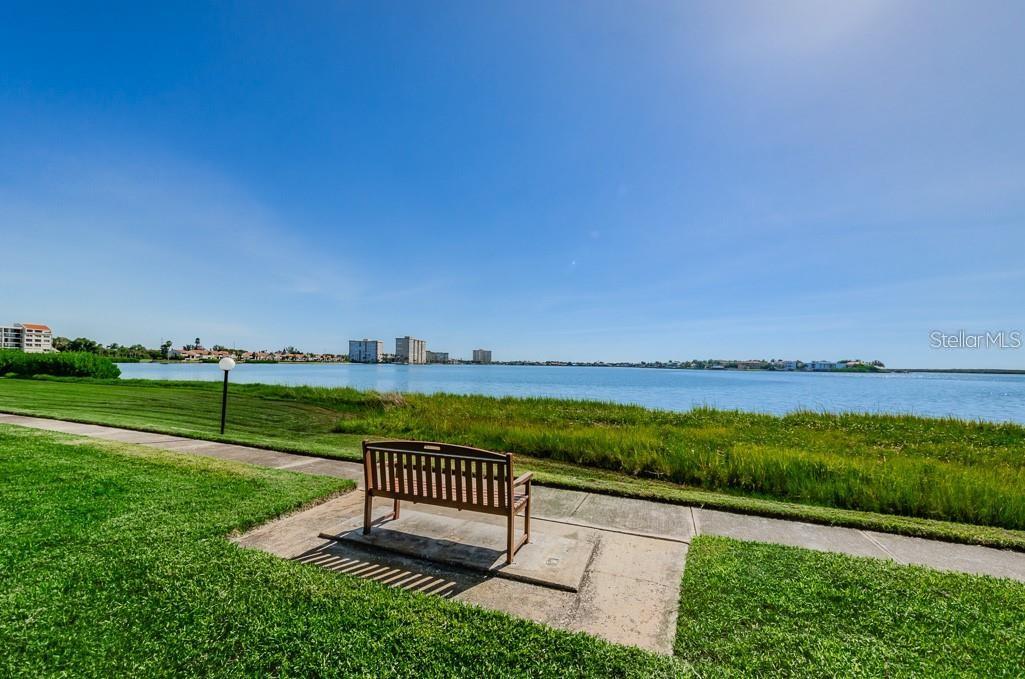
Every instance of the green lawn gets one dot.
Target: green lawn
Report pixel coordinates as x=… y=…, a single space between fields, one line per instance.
x=113 y=562
x=752 y=609
x=935 y=478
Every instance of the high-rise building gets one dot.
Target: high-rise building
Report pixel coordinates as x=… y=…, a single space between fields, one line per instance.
x=410 y=350
x=32 y=338
x=482 y=356
x=366 y=351
x=437 y=357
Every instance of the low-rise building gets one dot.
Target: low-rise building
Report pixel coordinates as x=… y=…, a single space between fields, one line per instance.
x=482 y=356
x=32 y=338
x=410 y=350
x=437 y=357
x=366 y=351
x=821 y=366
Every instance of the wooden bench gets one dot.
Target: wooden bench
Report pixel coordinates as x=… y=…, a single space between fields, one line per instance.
x=448 y=476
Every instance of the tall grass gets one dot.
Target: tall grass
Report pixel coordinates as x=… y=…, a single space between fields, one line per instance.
x=946 y=469
x=65 y=364
x=970 y=472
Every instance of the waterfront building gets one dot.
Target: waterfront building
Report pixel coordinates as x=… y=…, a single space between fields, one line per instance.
x=437 y=357
x=32 y=338
x=482 y=356
x=821 y=366
x=410 y=350
x=366 y=351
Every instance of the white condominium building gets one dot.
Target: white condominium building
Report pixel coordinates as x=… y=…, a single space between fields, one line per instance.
x=482 y=356
x=366 y=351
x=29 y=337
x=410 y=350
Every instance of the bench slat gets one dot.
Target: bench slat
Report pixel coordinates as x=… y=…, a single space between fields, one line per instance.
x=425 y=476
x=439 y=492
x=490 y=472
x=400 y=470
x=503 y=496
x=457 y=472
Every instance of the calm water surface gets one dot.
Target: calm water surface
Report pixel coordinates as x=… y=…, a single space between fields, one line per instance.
x=985 y=397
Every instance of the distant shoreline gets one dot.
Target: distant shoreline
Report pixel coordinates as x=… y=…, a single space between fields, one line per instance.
x=979 y=371
x=570 y=364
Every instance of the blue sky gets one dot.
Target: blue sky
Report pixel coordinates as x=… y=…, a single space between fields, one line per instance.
x=619 y=181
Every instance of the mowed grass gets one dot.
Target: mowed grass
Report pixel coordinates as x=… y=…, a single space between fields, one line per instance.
x=114 y=562
x=930 y=477
x=749 y=609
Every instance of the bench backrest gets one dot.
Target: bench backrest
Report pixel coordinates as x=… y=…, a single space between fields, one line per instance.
x=438 y=473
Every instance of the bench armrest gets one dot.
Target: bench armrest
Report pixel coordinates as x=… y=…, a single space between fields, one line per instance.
x=524 y=478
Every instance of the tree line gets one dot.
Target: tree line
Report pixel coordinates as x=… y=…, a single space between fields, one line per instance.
x=112 y=350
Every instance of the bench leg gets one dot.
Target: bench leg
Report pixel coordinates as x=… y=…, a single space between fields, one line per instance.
x=510 y=542
x=526 y=518
x=395 y=511
x=368 y=510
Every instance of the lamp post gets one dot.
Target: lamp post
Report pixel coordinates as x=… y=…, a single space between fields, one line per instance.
x=225 y=364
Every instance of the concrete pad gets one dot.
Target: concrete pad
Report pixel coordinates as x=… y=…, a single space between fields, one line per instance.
x=639 y=558
x=556 y=557
x=639 y=611
x=946 y=556
x=629 y=611
x=635 y=516
x=793 y=533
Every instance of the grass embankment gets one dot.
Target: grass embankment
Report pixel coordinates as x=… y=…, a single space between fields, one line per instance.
x=948 y=479
x=114 y=563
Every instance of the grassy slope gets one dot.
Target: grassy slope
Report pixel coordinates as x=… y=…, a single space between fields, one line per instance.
x=973 y=471
x=757 y=610
x=113 y=563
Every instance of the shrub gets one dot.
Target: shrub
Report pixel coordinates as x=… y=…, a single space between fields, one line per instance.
x=66 y=364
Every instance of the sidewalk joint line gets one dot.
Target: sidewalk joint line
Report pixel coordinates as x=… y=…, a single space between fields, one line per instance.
x=582 y=501
x=609 y=529
x=881 y=547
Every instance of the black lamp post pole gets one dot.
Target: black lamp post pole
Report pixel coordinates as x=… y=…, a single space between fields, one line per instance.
x=224 y=401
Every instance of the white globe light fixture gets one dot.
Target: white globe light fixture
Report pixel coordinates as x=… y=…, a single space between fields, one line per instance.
x=225 y=364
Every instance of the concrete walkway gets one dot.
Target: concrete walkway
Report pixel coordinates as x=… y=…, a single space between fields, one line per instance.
x=624 y=516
